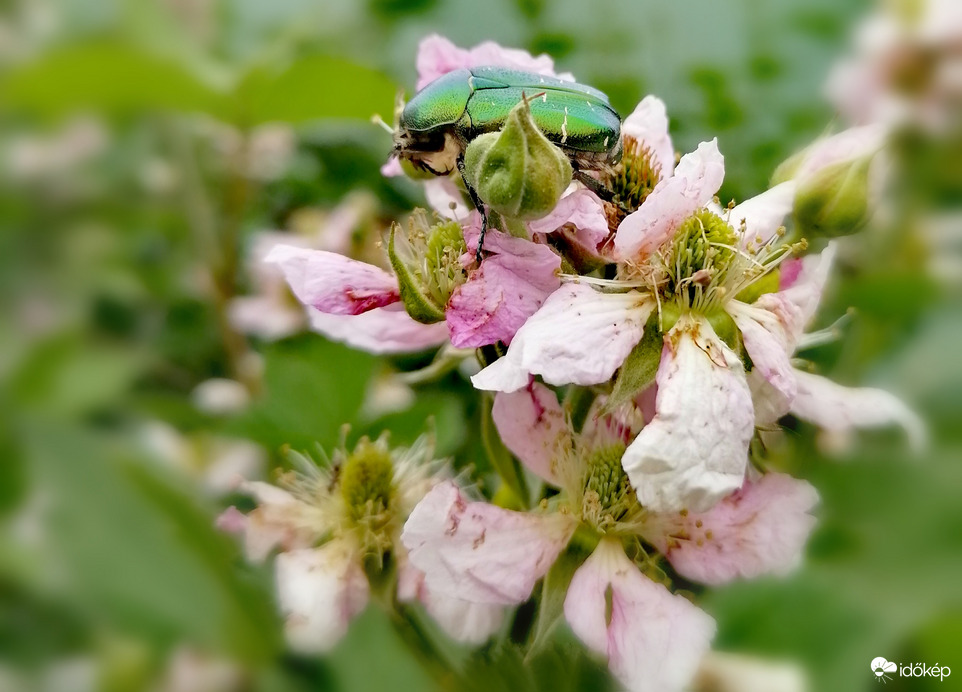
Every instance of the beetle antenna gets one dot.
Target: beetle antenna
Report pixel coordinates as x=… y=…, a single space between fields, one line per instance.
x=379 y=121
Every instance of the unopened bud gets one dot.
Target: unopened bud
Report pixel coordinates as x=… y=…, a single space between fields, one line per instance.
x=518 y=172
x=426 y=260
x=834 y=201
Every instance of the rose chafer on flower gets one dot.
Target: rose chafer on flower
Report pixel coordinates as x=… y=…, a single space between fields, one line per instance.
x=337 y=528
x=618 y=601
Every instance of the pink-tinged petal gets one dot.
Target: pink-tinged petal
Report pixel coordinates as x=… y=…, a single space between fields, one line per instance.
x=583 y=210
x=437 y=56
x=463 y=621
x=273 y=522
x=446 y=199
x=769 y=342
x=653 y=640
x=231 y=520
x=763 y=214
x=334 y=283
x=770 y=404
x=509 y=287
x=270 y=317
x=804 y=290
x=836 y=408
x=320 y=590
x=695 y=450
x=579 y=336
x=479 y=552
x=696 y=180
x=847 y=145
x=385 y=330
x=759 y=529
x=648 y=123
x=532 y=425
x=392 y=168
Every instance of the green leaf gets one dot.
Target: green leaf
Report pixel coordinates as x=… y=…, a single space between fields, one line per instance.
x=142 y=554
x=312 y=87
x=107 y=76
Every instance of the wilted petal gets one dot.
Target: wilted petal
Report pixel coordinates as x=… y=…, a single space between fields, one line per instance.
x=480 y=552
x=759 y=529
x=836 y=408
x=320 y=590
x=769 y=343
x=273 y=522
x=384 y=330
x=582 y=209
x=648 y=123
x=763 y=214
x=334 y=283
x=579 y=336
x=437 y=56
x=503 y=293
x=696 y=180
x=654 y=640
x=695 y=450
x=532 y=425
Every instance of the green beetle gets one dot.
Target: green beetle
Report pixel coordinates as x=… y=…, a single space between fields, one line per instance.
x=436 y=125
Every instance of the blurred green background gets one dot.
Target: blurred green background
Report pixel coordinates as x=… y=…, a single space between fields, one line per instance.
x=145 y=143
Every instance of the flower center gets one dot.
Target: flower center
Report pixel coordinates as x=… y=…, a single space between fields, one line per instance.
x=367 y=482
x=699 y=259
x=633 y=178
x=608 y=496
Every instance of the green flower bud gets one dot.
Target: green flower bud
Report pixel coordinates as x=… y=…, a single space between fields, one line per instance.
x=834 y=201
x=426 y=261
x=518 y=172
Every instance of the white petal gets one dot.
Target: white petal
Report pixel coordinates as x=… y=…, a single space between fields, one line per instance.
x=770 y=346
x=273 y=522
x=654 y=640
x=479 y=552
x=764 y=213
x=696 y=180
x=847 y=145
x=695 y=450
x=384 y=330
x=579 y=336
x=582 y=209
x=320 y=590
x=759 y=529
x=837 y=408
x=803 y=283
x=724 y=672
x=334 y=283
x=533 y=426
x=446 y=199
x=648 y=123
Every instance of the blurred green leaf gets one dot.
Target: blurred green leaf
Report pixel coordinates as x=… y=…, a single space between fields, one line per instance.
x=141 y=554
x=109 y=77
x=313 y=87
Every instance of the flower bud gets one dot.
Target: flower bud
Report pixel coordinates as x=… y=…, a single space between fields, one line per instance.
x=834 y=201
x=426 y=260
x=518 y=172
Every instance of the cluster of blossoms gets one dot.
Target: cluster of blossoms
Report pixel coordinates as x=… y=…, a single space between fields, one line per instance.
x=671 y=320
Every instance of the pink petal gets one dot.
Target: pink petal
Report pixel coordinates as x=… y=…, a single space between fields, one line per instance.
x=763 y=214
x=695 y=450
x=648 y=123
x=532 y=425
x=579 y=336
x=384 y=330
x=583 y=210
x=498 y=298
x=334 y=283
x=696 y=180
x=759 y=529
x=392 y=168
x=320 y=590
x=836 y=408
x=479 y=552
x=654 y=640
x=438 y=56
x=805 y=289
x=273 y=522
x=770 y=343
x=463 y=621
x=231 y=520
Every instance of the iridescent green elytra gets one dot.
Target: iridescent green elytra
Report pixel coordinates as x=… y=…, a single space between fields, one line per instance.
x=436 y=125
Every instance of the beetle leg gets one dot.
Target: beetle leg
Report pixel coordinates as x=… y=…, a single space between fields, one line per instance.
x=594 y=185
x=479 y=205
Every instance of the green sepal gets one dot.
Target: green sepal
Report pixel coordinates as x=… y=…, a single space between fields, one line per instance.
x=416 y=299
x=638 y=371
x=835 y=201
